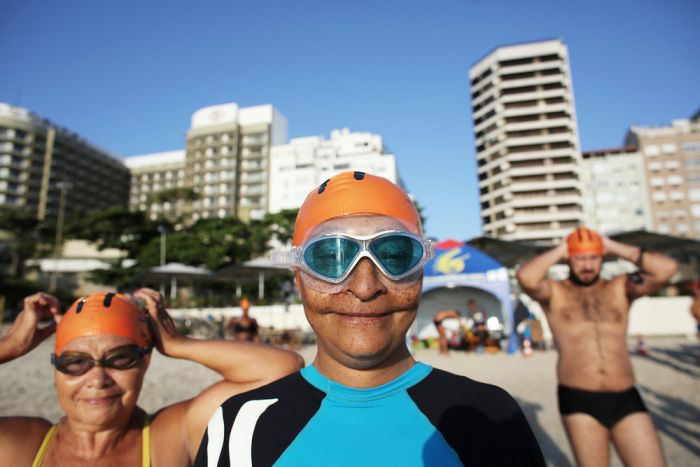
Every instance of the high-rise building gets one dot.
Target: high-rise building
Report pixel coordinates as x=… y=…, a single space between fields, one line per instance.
x=672 y=160
x=527 y=144
x=615 y=184
x=41 y=163
x=228 y=157
x=158 y=184
x=296 y=168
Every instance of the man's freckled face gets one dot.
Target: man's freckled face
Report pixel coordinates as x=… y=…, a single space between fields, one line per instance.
x=363 y=321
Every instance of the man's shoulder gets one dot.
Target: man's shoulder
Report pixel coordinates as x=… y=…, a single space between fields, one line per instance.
x=481 y=422
x=442 y=389
x=291 y=387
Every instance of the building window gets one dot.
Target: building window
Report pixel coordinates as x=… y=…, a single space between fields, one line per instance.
x=677 y=195
x=652 y=151
x=674 y=179
x=669 y=148
x=695 y=210
x=656 y=181
x=659 y=196
x=692 y=162
x=691 y=146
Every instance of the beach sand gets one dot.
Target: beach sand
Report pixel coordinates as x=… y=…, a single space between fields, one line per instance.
x=669 y=379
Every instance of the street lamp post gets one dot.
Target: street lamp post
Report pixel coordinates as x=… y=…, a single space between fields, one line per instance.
x=163 y=234
x=63 y=187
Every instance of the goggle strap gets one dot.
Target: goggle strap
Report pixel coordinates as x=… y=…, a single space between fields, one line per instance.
x=288 y=259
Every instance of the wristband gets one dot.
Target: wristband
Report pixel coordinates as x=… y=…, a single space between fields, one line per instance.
x=640 y=258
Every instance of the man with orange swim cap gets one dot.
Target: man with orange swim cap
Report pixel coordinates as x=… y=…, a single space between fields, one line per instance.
x=358 y=255
x=588 y=316
x=351 y=193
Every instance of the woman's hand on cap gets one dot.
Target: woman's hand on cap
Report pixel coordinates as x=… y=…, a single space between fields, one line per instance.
x=164 y=327
x=26 y=333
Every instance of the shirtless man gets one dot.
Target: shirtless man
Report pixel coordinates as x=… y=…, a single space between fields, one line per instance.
x=588 y=317
x=441 y=316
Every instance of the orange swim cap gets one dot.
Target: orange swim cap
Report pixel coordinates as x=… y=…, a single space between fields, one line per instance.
x=103 y=314
x=351 y=193
x=583 y=240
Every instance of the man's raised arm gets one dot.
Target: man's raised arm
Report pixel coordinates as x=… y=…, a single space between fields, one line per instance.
x=532 y=275
x=656 y=269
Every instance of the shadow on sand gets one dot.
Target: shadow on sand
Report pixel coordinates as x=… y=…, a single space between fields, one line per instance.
x=553 y=454
x=676 y=418
x=683 y=358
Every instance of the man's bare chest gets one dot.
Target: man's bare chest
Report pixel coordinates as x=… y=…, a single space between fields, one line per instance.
x=574 y=305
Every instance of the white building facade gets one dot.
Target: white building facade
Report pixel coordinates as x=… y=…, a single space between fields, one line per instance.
x=228 y=158
x=615 y=185
x=527 y=144
x=303 y=164
x=672 y=159
x=153 y=175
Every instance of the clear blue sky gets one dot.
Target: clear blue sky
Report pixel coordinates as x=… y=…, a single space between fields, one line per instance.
x=127 y=75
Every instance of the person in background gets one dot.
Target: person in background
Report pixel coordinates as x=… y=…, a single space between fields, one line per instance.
x=588 y=315
x=243 y=328
x=695 y=304
x=103 y=348
x=475 y=311
x=441 y=316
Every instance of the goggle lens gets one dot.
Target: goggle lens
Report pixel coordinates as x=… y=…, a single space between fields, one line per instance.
x=76 y=364
x=397 y=253
x=333 y=257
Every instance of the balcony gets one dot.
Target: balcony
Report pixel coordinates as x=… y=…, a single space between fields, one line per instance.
x=535 y=81
x=539 y=124
x=252 y=190
x=543 y=185
x=253 y=166
x=544 y=169
x=254 y=140
x=547 y=216
x=545 y=200
x=538 y=233
x=534 y=66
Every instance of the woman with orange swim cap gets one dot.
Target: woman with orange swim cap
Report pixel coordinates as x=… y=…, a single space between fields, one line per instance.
x=103 y=348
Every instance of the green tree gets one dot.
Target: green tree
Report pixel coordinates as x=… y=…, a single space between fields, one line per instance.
x=25 y=237
x=420 y=210
x=212 y=243
x=116 y=227
x=281 y=224
x=176 y=197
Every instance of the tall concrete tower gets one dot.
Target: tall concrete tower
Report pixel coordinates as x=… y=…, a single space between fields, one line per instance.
x=527 y=145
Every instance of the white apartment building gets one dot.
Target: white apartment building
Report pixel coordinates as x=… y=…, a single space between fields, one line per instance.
x=303 y=164
x=527 y=144
x=158 y=183
x=672 y=160
x=228 y=157
x=615 y=184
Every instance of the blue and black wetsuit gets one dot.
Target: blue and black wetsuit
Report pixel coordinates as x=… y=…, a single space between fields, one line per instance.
x=424 y=417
